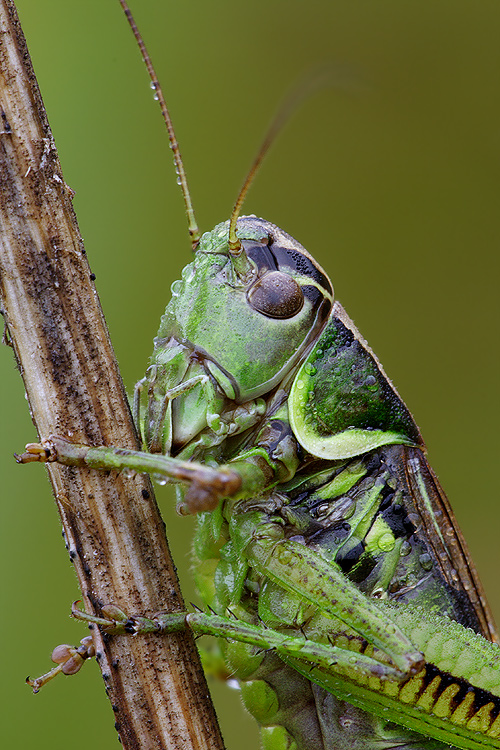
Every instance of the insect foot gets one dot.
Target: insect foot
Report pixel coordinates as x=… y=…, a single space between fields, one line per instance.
x=35 y=452
x=69 y=660
x=47 y=451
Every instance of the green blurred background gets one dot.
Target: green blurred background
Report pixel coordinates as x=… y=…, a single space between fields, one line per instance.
x=393 y=186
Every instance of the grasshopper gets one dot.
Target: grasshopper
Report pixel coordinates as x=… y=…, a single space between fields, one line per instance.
x=403 y=433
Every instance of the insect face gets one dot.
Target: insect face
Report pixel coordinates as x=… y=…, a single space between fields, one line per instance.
x=249 y=332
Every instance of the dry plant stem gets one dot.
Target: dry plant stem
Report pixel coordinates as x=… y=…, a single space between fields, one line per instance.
x=113 y=530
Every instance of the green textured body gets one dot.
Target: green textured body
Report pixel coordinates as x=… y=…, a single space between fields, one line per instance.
x=356 y=490
x=321 y=519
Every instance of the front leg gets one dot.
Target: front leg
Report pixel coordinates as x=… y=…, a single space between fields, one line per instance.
x=207 y=485
x=246 y=476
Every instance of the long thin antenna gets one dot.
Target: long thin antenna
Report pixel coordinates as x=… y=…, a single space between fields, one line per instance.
x=194 y=232
x=326 y=75
x=280 y=119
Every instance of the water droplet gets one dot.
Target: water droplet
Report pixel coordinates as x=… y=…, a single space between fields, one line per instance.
x=160 y=479
x=188 y=272
x=345 y=723
x=176 y=288
x=426 y=561
x=405 y=548
x=386 y=542
x=299 y=384
x=127 y=473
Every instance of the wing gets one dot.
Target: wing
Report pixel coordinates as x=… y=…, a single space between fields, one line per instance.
x=434 y=516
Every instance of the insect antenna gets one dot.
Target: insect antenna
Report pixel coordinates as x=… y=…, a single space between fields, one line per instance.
x=194 y=232
x=329 y=75
x=279 y=120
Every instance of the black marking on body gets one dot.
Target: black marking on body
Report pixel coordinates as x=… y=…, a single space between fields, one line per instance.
x=351 y=557
x=273 y=257
x=481 y=697
x=396 y=518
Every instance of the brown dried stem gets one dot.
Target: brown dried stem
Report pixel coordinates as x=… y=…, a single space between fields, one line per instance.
x=114 y=532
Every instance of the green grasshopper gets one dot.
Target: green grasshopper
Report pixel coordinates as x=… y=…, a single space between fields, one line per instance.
x=316 y=507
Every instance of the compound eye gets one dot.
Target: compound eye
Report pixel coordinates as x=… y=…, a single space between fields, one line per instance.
x=276 y=295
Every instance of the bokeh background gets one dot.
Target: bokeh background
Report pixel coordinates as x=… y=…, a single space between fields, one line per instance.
x=392 y=184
